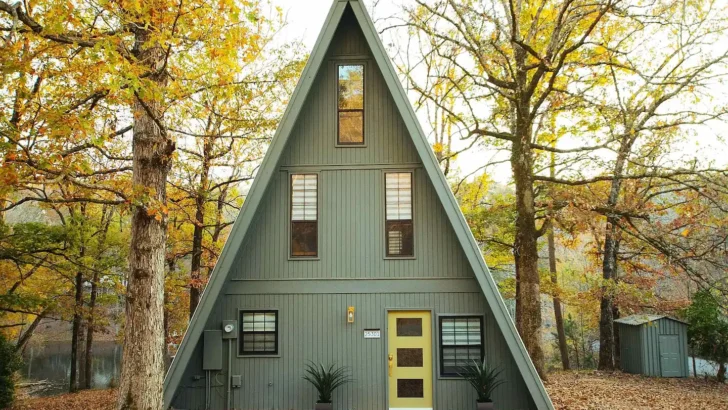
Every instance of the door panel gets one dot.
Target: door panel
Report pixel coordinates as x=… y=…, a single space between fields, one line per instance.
x=669 y=356
x=410 y=360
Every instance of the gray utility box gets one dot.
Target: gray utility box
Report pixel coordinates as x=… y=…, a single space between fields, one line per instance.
x=212 y=350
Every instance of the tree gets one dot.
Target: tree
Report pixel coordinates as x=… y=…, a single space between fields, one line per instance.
x=708 y=330
x=222 y=142
x=644 y=117
x=140 y=59
x=9 y=363
x=511 y=61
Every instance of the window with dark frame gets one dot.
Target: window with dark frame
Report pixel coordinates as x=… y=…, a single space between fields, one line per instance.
x=304 y=215
x=350 y=104
x=258 y=332
x=398 y=226
x=461 y=343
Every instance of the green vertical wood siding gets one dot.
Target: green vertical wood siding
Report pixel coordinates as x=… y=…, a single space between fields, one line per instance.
x=351 y=233
x=313 y=327
x=313 y=139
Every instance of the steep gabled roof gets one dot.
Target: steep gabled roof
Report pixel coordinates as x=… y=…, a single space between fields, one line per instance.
x=270 y=163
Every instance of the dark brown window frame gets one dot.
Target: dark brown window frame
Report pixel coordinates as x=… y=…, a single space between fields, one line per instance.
x=293 y=222
x=410 y=221
x=241 y=342
x=442 y=346
x=339 y=143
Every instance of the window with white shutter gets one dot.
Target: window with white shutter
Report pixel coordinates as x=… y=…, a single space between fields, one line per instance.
x=398 y=225
x=461 y=343
x=258 y=332
x=304 y=215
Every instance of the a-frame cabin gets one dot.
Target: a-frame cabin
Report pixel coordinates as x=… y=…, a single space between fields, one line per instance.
x=350 y=249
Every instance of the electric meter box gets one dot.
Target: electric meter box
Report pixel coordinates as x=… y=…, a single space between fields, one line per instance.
x=229 y=329
x=212 y=350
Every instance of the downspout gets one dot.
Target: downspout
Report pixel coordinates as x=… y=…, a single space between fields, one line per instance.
x=230 y=374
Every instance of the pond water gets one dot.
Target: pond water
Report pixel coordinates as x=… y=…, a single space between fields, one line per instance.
x=703 y=367
x=51 y=361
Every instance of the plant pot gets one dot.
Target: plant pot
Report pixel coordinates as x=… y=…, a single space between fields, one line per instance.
x=485 y=406
x=323 y=406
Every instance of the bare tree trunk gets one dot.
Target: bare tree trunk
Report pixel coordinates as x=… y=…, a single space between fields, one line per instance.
x=615 y=332
x=563 y=348
x=88 y=368
x=197 y=285
x=25 y=337
x=90 y=326
x=142 y=371
x=528 y=301
x=76 y=328
x=558 y=317
x=609 y=263
x=528 y=295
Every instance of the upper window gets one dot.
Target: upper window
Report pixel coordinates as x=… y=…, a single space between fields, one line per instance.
x=258 y=333
x=398 y=225
x=351 y=105
x=304 y=215
x=461 y=343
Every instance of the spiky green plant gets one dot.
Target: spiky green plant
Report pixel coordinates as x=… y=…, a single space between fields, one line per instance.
x=483 y=378
x=326 y=379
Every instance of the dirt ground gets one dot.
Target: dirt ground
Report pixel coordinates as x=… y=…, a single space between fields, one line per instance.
x=568 y=390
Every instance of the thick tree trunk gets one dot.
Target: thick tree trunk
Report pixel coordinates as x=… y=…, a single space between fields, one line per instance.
x=609 y=263
x=615 y=332
x=528 y=299
x=563 y=348
x=142 y=371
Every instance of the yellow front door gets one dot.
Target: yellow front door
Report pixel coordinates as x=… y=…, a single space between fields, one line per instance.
x=410 y=360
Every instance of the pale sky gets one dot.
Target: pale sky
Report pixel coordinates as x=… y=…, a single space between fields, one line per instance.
x=305 y=19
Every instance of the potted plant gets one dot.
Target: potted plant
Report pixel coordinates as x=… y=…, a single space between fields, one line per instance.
x=326 y=380
x=484 y=380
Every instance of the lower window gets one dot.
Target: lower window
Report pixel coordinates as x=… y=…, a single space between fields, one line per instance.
x=258 y=332
x=461 y=343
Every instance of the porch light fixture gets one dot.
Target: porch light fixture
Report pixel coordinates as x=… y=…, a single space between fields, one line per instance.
x=350 y=314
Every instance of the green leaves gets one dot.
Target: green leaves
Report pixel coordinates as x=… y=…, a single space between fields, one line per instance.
x=483 y=378
x=326 y=379
x=708 y=327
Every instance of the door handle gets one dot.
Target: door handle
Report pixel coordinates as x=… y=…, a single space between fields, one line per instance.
x=391 y=364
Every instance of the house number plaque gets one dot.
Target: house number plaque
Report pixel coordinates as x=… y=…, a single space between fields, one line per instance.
x=372 y=334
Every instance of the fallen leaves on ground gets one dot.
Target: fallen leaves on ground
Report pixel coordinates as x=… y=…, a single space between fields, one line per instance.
x=85 y=399
x=620 y=391
x=568 y=390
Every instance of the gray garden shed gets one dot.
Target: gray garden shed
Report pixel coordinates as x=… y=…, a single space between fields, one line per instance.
x=653 y=345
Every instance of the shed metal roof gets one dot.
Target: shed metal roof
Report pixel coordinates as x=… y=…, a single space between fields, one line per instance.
x=640 y=319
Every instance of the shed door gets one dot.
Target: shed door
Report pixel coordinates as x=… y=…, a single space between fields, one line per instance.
x=410 y=360
x=670 y=356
